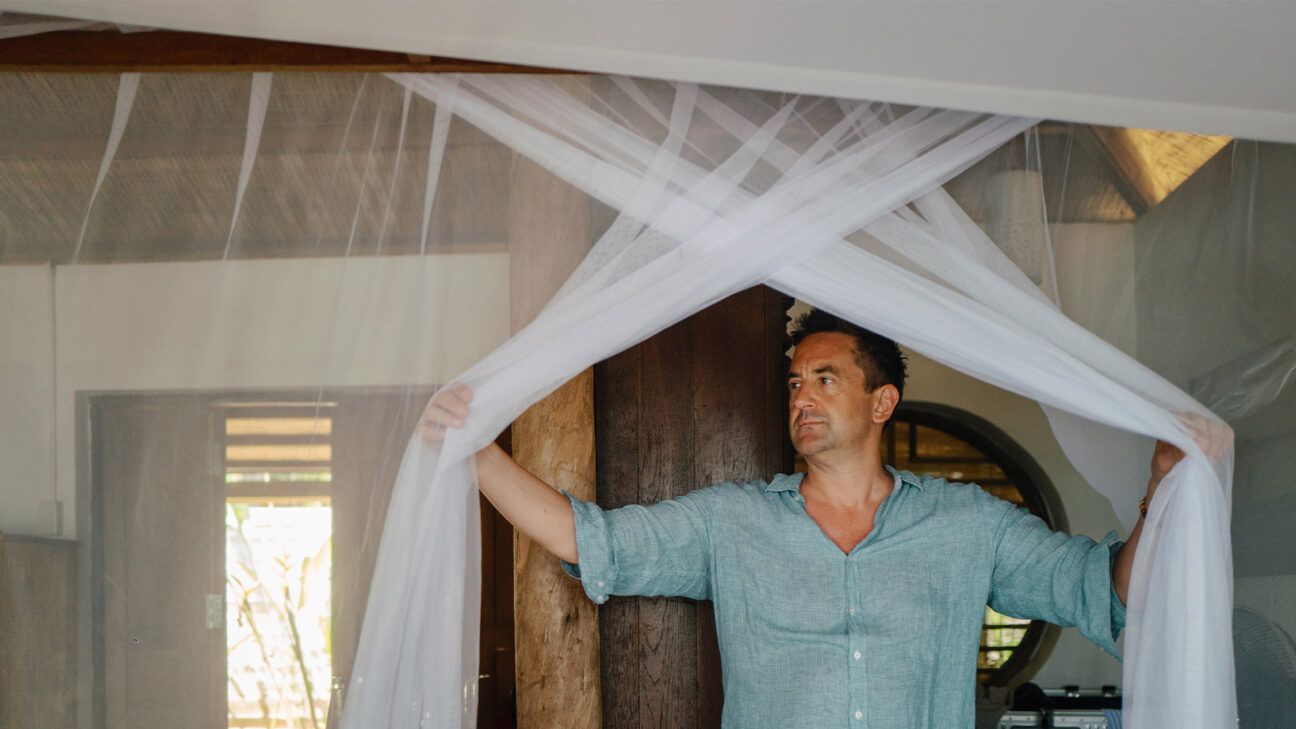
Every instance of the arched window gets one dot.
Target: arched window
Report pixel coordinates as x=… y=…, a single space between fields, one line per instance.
x=938 y=440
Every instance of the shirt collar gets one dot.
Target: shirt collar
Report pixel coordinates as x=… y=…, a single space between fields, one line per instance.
x=792 y=481
x=786 y=482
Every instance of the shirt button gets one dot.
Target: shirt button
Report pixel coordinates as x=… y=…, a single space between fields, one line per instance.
x=600 y=583
x=852 y=611
x=859 y=714
x=602 y=598
x=858 y=655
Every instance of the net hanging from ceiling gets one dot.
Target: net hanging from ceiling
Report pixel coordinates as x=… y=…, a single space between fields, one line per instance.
x=330 y=239
x=692 y=230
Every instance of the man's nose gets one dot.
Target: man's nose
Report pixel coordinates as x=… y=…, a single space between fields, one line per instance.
x=801 y=400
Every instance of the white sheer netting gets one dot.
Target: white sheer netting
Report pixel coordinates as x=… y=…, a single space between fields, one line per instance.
x=17 y=25
x=185 y=254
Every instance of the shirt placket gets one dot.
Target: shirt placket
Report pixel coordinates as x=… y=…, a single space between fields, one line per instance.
x=857 y=676
x=857 y=648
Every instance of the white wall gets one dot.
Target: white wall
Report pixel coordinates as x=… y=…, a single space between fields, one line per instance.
x=26 y=408
x=296 y=323
x=1264 y=515
x=1095 y=269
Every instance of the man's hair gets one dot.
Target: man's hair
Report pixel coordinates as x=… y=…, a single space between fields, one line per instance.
x=880 y=358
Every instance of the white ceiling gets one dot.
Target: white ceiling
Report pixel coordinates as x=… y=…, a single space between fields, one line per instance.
x=1217 y=67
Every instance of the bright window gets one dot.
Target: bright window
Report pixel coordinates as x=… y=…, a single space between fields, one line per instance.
x=278 y=565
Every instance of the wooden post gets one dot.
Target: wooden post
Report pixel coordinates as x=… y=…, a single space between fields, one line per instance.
x=701 y=402
x=556 y=626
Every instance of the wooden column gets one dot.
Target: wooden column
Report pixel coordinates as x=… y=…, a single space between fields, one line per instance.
x=702 y=402
x=556 y=625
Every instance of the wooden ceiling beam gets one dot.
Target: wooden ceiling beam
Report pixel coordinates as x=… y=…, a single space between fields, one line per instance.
x=1127 y=174
x=164 y=51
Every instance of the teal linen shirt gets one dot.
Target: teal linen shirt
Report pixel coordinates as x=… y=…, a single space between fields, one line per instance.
x=886 y=636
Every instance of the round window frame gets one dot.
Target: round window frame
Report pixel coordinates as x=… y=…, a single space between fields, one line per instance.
x=1041 y=499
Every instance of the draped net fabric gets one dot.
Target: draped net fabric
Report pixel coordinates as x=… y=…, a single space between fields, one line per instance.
x=344 y=237
x=16 y=25
x=717 y=225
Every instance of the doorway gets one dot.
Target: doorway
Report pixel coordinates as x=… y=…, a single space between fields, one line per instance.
x=234 y=538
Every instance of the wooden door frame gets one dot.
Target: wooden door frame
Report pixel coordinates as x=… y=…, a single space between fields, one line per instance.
x=170 y=51
x=92 y=688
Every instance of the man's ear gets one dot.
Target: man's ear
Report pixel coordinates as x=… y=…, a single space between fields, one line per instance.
x=885 y=400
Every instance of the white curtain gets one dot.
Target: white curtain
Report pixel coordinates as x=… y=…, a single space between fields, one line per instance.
x=837 y=203
x=236 y=238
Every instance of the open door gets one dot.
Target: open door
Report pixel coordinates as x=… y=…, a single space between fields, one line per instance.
x=236 y=536
x=159 y=583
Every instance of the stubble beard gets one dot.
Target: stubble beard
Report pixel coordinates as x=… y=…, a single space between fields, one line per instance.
x=812 y=443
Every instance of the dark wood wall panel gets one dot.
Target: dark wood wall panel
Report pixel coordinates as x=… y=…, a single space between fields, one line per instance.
x=616 y=437
x=37 y=633
x=668 y=694
x=699 y=403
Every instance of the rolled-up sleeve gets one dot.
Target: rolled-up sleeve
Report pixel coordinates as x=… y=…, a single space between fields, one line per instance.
x=1046 y=575
x=663 y=549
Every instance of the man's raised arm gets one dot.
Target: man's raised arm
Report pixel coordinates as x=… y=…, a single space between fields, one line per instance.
x=1215 y=439
x=529 y=504
x=1163 y=459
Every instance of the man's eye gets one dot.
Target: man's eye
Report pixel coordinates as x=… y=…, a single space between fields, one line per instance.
x=794 y=385
x=825 y=380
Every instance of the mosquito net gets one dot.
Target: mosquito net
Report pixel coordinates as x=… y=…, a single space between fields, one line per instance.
x=228 y=298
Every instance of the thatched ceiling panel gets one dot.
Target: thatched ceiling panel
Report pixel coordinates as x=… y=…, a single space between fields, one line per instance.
x=1155 y=163
x=73 y=105
x=332 y=175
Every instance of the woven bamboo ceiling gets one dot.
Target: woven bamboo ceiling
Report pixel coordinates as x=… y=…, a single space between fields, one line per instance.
x=179 y=163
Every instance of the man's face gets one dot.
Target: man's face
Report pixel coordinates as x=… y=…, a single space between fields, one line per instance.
x=829 y=406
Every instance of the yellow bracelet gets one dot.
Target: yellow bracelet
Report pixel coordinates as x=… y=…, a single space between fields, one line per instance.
x=1143 y=508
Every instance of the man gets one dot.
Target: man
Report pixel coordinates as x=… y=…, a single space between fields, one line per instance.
x=848 y=596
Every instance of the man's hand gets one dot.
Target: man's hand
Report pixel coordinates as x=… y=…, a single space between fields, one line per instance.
x=1164 y=458
x=448 y=409
x=530 y=504
x=1213 y=436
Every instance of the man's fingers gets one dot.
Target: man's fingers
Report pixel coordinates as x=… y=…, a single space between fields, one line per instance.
x=432 y=433
x=1212 y=435
x=455 y=399
x=442 y=411
x=448 y=409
